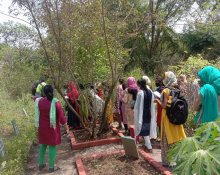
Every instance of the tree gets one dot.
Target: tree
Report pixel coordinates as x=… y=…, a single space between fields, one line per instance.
x=21 y=61
x=153 y=42
x=17 y=35
x=76 y=36
x=202 y=34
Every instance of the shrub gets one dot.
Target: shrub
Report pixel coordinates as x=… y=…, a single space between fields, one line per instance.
x=16 y=147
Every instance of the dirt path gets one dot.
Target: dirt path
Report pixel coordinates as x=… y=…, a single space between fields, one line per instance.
x=66 y=158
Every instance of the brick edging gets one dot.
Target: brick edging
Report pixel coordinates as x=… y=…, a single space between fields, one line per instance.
x=82 y=145
x=158 y=166
x=80 y=167
x=146 y=157
x=79 y=160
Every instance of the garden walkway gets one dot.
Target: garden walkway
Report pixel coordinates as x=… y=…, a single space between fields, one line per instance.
x=66 y=157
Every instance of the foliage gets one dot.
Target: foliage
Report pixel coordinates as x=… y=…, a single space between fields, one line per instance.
x=198 y=154
x=17 y=147
x=197 y=41
x=190 y=67
x=20 y=68
x=17 y=35
x=153 y=43
x=202 y=35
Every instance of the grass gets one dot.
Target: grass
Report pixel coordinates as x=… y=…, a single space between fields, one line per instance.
x=16 y=146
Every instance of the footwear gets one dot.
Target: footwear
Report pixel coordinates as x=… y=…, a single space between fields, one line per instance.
x=51 y=170
x=41 y=167
x=149 y=150
x=165 y=165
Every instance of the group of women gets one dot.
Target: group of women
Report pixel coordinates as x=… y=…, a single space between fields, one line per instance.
x=136 y=106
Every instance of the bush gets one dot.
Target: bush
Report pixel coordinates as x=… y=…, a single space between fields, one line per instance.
x=16 y=147
x=190 y=67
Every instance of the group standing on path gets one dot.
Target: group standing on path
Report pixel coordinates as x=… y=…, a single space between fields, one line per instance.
x=137 y=106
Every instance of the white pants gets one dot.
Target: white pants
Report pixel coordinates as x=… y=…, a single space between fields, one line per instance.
x=147 y=142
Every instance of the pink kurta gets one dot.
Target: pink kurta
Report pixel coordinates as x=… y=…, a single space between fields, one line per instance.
x=46 y=134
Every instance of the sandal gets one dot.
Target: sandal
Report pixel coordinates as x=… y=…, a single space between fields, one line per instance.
x=51 y=170
x=41 y=167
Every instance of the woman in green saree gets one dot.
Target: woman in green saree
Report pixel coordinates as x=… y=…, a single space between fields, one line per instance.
x=207 y=101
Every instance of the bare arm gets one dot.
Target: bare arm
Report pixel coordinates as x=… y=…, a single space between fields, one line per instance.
x=163 y=103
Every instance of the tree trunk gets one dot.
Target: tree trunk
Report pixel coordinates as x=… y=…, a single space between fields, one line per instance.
x=72 y=109
x=104 y=127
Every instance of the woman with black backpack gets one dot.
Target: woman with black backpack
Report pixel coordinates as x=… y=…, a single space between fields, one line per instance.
x=170 y=133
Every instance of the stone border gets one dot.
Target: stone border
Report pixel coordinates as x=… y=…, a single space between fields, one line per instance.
x=158 y=166
x=82 y=145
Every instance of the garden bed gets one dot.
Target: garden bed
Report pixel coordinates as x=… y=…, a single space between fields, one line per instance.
x=81 y=139
x=115 y=163
x=119 y=164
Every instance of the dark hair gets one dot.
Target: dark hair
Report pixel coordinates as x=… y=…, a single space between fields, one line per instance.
x=48 y=92
x=124 y=86
x=42 y=79
x=159 y=81
x=133 y=92
x=81 y=86
x=142 y=83
x=121 y=81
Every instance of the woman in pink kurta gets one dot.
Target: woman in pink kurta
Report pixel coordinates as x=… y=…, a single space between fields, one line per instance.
x=48 y=116
x=46 y=134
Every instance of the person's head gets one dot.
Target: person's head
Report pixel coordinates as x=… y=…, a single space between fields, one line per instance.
x=81 y=86
x=148 y=82
x=48 y=92
x=42 y=80
x=121 y=81
x=131 y=83
x=100 y=86
x=142 y=84
x=147 y=79
x=159 y=81
x=92 y=87
x=169 y=79
x=182 y=79
x=208 y=75
x=124 y=86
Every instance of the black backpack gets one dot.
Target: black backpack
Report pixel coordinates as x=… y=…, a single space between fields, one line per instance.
x=177 y=108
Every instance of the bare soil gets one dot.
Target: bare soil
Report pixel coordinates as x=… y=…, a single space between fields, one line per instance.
x=83 y=136
x=117 y=165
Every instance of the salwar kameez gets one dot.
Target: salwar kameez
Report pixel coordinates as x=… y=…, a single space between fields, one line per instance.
x=47 y=135
x=144 y=116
